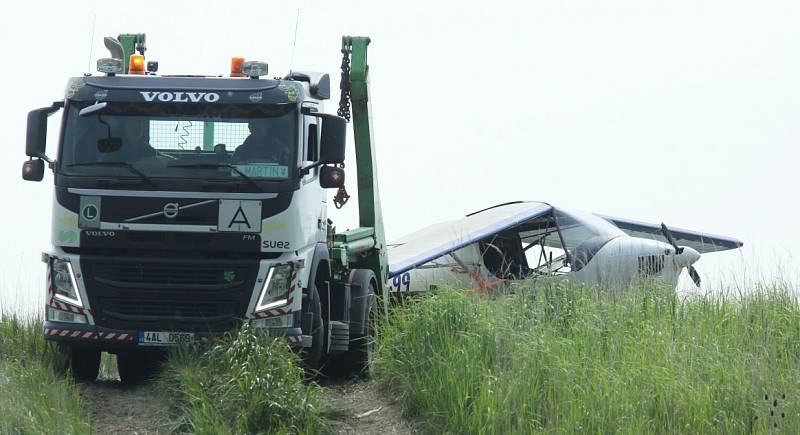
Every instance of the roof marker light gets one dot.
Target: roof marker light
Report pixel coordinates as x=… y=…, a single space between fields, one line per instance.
x=237 y=64
x=136 y=65
x=255 y=69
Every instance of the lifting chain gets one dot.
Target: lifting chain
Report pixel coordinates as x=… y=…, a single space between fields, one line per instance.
x=344 y=111
x=344 y=85
x=341 y=198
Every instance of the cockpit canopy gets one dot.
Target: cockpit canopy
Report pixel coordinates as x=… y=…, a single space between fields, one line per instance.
x=559 y=241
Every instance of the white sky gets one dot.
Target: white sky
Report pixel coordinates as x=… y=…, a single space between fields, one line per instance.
x=684 y=112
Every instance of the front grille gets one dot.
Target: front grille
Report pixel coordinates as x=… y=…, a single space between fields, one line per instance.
x=165 y=275
x=650 y=265
x=168 y=294
x=176 y=308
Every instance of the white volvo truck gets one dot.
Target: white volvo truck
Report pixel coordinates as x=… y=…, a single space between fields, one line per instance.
x=185 y=206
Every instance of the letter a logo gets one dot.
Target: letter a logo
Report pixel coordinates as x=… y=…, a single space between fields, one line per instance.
x=239 y=218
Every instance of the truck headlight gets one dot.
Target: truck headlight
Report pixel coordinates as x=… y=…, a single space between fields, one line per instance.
x=64 y=285
x=276 y=287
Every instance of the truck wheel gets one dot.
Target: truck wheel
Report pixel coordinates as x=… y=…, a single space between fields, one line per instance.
x=362 y=348
x=84 y=363
x=358 y=360
x=134 y=366
x=313 y=355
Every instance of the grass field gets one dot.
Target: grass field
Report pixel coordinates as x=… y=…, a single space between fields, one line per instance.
x=554 y=359
x=570 y=360
x=37 y=397
x=246 y=383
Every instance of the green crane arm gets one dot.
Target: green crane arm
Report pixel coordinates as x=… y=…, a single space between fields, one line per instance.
x=131 y=42
x=369 y=203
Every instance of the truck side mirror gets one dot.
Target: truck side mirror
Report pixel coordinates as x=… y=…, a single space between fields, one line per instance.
x=35 y=140
x=334 y=133
x=36 y=137
x=33 y=170
x=330 y=177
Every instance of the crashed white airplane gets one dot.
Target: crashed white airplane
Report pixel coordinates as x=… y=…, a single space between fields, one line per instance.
x=521 y=240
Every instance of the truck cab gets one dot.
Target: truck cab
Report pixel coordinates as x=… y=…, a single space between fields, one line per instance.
x=186 y=206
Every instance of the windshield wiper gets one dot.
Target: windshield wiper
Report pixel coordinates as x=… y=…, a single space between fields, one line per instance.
x=219 y=165
x=128 y=165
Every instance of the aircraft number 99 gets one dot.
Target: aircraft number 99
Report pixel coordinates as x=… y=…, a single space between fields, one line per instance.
x=398 y=281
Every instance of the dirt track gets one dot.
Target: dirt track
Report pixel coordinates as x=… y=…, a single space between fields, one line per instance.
x=359 y=408
x=365 y=409
x=116 y=409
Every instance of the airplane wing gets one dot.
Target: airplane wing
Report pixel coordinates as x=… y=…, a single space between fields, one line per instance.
x=443 y=238
x=702 y=242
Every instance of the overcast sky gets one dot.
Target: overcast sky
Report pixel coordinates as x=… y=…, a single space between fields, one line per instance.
x=684 y=112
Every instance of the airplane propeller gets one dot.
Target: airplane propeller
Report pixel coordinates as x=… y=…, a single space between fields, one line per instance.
x=668 y=234
x=679 y=250
x=694 y=275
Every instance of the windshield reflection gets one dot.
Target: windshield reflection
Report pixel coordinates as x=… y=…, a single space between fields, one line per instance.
x=181 y=141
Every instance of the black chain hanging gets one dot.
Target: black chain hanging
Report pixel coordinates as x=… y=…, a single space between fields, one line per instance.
x=344 y=85
x=344 y=111
x=341 y=198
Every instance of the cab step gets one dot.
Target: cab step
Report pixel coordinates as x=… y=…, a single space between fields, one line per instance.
x=338 y=337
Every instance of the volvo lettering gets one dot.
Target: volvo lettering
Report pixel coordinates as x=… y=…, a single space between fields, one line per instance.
x=180 y=97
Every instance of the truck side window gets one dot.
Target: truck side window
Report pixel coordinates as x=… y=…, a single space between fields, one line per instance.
x=313 y=143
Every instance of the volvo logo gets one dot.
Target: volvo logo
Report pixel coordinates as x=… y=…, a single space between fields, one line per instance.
x=171 y=210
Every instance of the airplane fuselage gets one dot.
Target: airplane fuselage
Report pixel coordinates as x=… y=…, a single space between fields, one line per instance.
x=538 y=242
x=621 y=262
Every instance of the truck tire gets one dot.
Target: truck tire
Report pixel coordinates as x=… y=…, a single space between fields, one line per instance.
x=134 y=366
x=84 y=364
x=360 y=358
x=312 y=356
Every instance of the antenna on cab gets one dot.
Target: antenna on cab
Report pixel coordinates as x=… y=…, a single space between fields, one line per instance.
x=294 y=41
x=91 y=45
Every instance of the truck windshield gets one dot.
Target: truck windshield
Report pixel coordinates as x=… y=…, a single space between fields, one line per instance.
x=251 y=142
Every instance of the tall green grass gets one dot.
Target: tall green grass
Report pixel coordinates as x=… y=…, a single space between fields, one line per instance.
x=245 y=383
x=36 y=396
x=21 y=340
x=560 y=359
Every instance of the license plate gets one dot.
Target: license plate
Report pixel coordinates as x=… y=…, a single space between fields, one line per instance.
x=163 y=338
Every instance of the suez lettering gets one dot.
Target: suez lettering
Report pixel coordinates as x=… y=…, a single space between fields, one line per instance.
x=268 y=244
x=272 y=244
x=180 y=97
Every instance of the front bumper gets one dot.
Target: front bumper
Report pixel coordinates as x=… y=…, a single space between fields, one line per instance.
x=96 y=337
